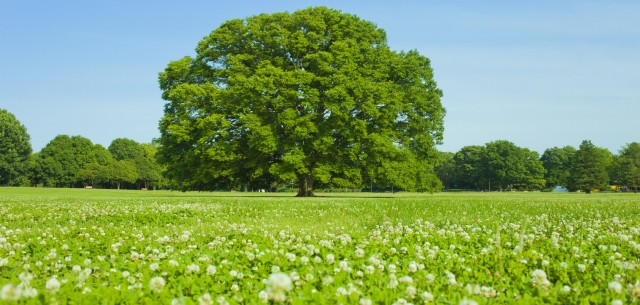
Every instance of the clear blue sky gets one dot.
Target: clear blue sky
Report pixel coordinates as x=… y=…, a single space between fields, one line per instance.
x=537 y=73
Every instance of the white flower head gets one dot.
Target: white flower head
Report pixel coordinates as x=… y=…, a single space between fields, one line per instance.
x=211 y=270
x=157 y=284
x=615 y=286
x=205 y=299
x=278 y=282
x=53 y=285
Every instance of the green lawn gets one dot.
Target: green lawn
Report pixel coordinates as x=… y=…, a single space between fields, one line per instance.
x=106 y=246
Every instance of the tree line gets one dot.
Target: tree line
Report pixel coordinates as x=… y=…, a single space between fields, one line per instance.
x=501 y=165
x=74 y=161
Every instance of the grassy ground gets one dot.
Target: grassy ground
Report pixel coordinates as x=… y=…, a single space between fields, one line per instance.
x=483 y=247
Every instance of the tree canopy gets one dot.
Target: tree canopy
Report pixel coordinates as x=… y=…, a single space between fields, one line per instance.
x=315 y=95
x=589 y=168
x=630 y=165
x=557 y=163
x=15 y=149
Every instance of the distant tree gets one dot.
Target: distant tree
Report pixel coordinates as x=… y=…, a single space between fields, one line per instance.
x=506 y=164
x=445 y=168
x=15 y=149
x=630 y=165
x=502 y=162
x=533 y=176
x=60 y=161
x=147 y=170
x=92 y=173
x=121 y=171
x=468 y=167
x=589 y=168
x=102 y=155
x=125 y=149
x=614 y=171
x=557 y=163
x=316 y=94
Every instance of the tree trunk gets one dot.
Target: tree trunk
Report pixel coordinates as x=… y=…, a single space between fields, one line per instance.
x=588 y=191
x=118 y=184
x=306 y=186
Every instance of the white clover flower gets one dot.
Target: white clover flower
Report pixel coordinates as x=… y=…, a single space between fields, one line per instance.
x=393 y=281
x=53 y=285
x=173 y=263
x=344 y=265
x=392 y=268
x=263 y=296
x=317 y=259
x=427 y=296
x=25 y=277
x=582 y=267
x=10 y=292
x=545 y=263
x=473 y=289
x=564 y=265
x=539 y=278
x=369 y=270
x=275 y=269
x=278 y=282
x=154 y=267
x=616 y=302
x=359 y=253
x=401 y=301
x=211 y=270
x=341 y=291
x=126 y=273
x=156 y=284
x=233 y=273
x=29 y=292
x=413 y=267
x=193 y=268
x=76 y=268
x=615 y=287
x=365 y=302
x=430 y=278
x=205 y=299
x=330 y=258
x=290 y=257
x=304 y=260
x=468 y=302
x=406 y=279
x=86 y=290
x=410 y=292
x=4 y=262
x=327 y=280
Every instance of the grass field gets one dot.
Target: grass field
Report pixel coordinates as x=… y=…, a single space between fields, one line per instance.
x=130 y=247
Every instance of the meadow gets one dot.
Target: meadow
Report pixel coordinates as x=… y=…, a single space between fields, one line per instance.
x=77 y=246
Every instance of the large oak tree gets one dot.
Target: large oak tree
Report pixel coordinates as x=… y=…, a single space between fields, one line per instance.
x=315 y=95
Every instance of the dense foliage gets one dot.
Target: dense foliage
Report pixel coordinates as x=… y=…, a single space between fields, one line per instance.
x=15 y=149
x=498 y=165
x=75 y=161
x=501 y=165
x=315 y=95
x=478 y=249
